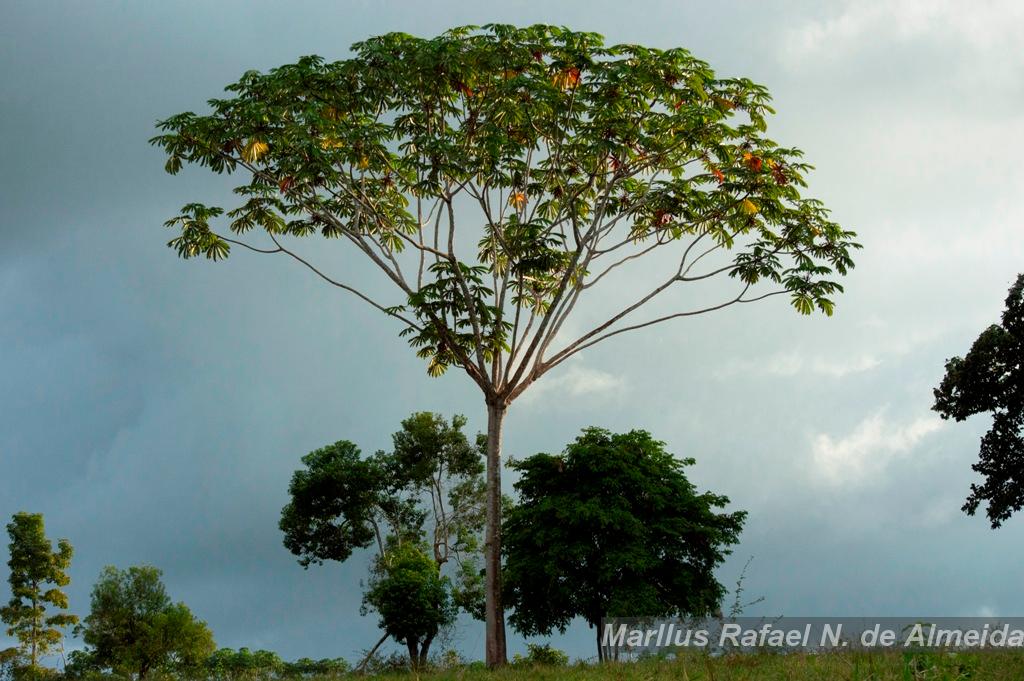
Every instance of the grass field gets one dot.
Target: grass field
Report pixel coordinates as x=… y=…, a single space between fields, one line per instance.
x=895 y=666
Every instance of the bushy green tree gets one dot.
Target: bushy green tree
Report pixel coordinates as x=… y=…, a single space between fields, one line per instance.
x=340 y=502
x=429 y=490
x=412 y=598
x=36 y=614
x=990 y=379
x=612 y=527
x=497 y=175
x=133 y=627
x=542 y=655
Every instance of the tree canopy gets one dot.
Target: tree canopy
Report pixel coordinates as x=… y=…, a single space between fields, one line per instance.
x=341 y=501
x=133 y=627
x=612 y=527
x=574 y=153
x=990 y=379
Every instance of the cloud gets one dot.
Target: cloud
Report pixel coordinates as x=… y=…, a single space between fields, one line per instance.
x=794 y=364
x=868 y=449
x=575 y=381
x=981 y=27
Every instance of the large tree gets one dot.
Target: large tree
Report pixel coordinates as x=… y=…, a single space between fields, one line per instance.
x=990 y=379
x=133 y=627
x=495 y=176
x=612 y=527
x=36 y=613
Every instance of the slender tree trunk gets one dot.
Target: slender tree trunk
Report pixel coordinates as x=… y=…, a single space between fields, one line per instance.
x=600 y=649
x=494 y=611
x=369 y=655
x=414 y=657
x=35 y=627
x=424 y=650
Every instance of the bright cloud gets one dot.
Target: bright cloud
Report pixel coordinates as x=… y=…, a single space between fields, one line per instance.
x=868 y=449
x=575 y=381
x=793 y=364
x=977 y=26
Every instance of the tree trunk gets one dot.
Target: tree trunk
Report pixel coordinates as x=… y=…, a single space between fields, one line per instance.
x=369 y=655
x=414 y=658
x=35 y=626
x=424 y=650
x=495 y=613
x=600 y=648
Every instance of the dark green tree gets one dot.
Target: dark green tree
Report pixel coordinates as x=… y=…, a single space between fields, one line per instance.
x=428 y=491
x=341 y=502
x=612 y=527
x=412 y=598
x=495 y=176
x=133 y=627
x=35 y=615
x=990 y=379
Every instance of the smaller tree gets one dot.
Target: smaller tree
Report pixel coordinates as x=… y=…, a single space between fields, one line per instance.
x=412 y=598
x=612 y=527
x=991 y=379
x=35 y=614
x=426 y=495
x=133 y=627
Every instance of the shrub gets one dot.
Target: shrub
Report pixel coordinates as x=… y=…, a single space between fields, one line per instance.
x=542 y=655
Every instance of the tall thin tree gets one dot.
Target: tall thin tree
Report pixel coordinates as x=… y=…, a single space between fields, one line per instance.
x=36 y=613
x=497 y=177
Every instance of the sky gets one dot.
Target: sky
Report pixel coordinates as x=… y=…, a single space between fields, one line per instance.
x=154 y=409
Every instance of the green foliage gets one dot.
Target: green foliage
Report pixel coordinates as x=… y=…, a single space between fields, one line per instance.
x=434 y=459
x=411 y=597
x=307 y=668
x=542 y=655
x=38 y=574
x=338 y=503
x=562 y=141
x=991 y=379
x=341 y=502
x=244 y=665
x=612 y=527
x=81 y=664
x=133 y=627
x=263 y=665
x=428 y=447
